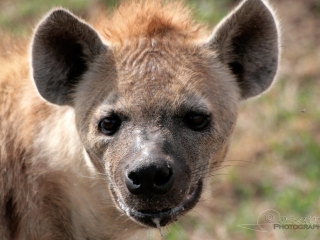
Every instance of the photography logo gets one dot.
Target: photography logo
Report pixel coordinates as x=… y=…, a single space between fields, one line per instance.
x=271 y=219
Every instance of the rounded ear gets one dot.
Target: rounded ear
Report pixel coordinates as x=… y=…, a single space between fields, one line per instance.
x=247 y=42
x=62 y=48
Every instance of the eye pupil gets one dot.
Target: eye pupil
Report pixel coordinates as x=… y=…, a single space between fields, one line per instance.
x=110 y=125
x=196 y=121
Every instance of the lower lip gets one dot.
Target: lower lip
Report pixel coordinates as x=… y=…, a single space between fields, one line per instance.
x=162 y=218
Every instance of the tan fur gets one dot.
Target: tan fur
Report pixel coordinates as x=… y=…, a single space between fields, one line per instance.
x=39 y=178
x=136 y=19
x=60 y=177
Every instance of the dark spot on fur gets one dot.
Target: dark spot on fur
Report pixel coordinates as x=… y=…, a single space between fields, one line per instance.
x=237 y=69
x=10 y=216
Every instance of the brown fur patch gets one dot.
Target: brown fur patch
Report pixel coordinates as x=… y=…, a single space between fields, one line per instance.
x=147 y=18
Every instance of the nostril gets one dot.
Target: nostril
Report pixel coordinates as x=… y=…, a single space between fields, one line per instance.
x=134 y=178
x=133 y=182
x=163 y=181
x=162 y=177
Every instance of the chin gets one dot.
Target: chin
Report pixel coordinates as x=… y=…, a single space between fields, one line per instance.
x=160 y=215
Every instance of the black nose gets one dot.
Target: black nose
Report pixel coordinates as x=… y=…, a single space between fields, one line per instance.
x=150 y=178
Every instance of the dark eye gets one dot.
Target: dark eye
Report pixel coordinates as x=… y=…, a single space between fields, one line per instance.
x=196 y=121
x=110 y=125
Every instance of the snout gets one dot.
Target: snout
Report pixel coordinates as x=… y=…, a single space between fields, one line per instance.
x=149 y=178
x=154 y=185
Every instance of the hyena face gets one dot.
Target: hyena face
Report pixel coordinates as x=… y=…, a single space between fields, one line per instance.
x=156 y=111
x=157 y=127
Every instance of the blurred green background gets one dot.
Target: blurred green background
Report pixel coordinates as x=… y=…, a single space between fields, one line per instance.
x=274 y=159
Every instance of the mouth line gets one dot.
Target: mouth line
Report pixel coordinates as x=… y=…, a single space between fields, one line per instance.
x=163 y=217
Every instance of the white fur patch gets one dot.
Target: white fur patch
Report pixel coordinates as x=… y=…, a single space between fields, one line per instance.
x=58 y=140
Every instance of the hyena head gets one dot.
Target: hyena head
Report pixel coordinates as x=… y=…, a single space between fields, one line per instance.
x=155 y=99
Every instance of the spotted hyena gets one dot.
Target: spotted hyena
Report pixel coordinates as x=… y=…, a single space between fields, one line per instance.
x=114 y=126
